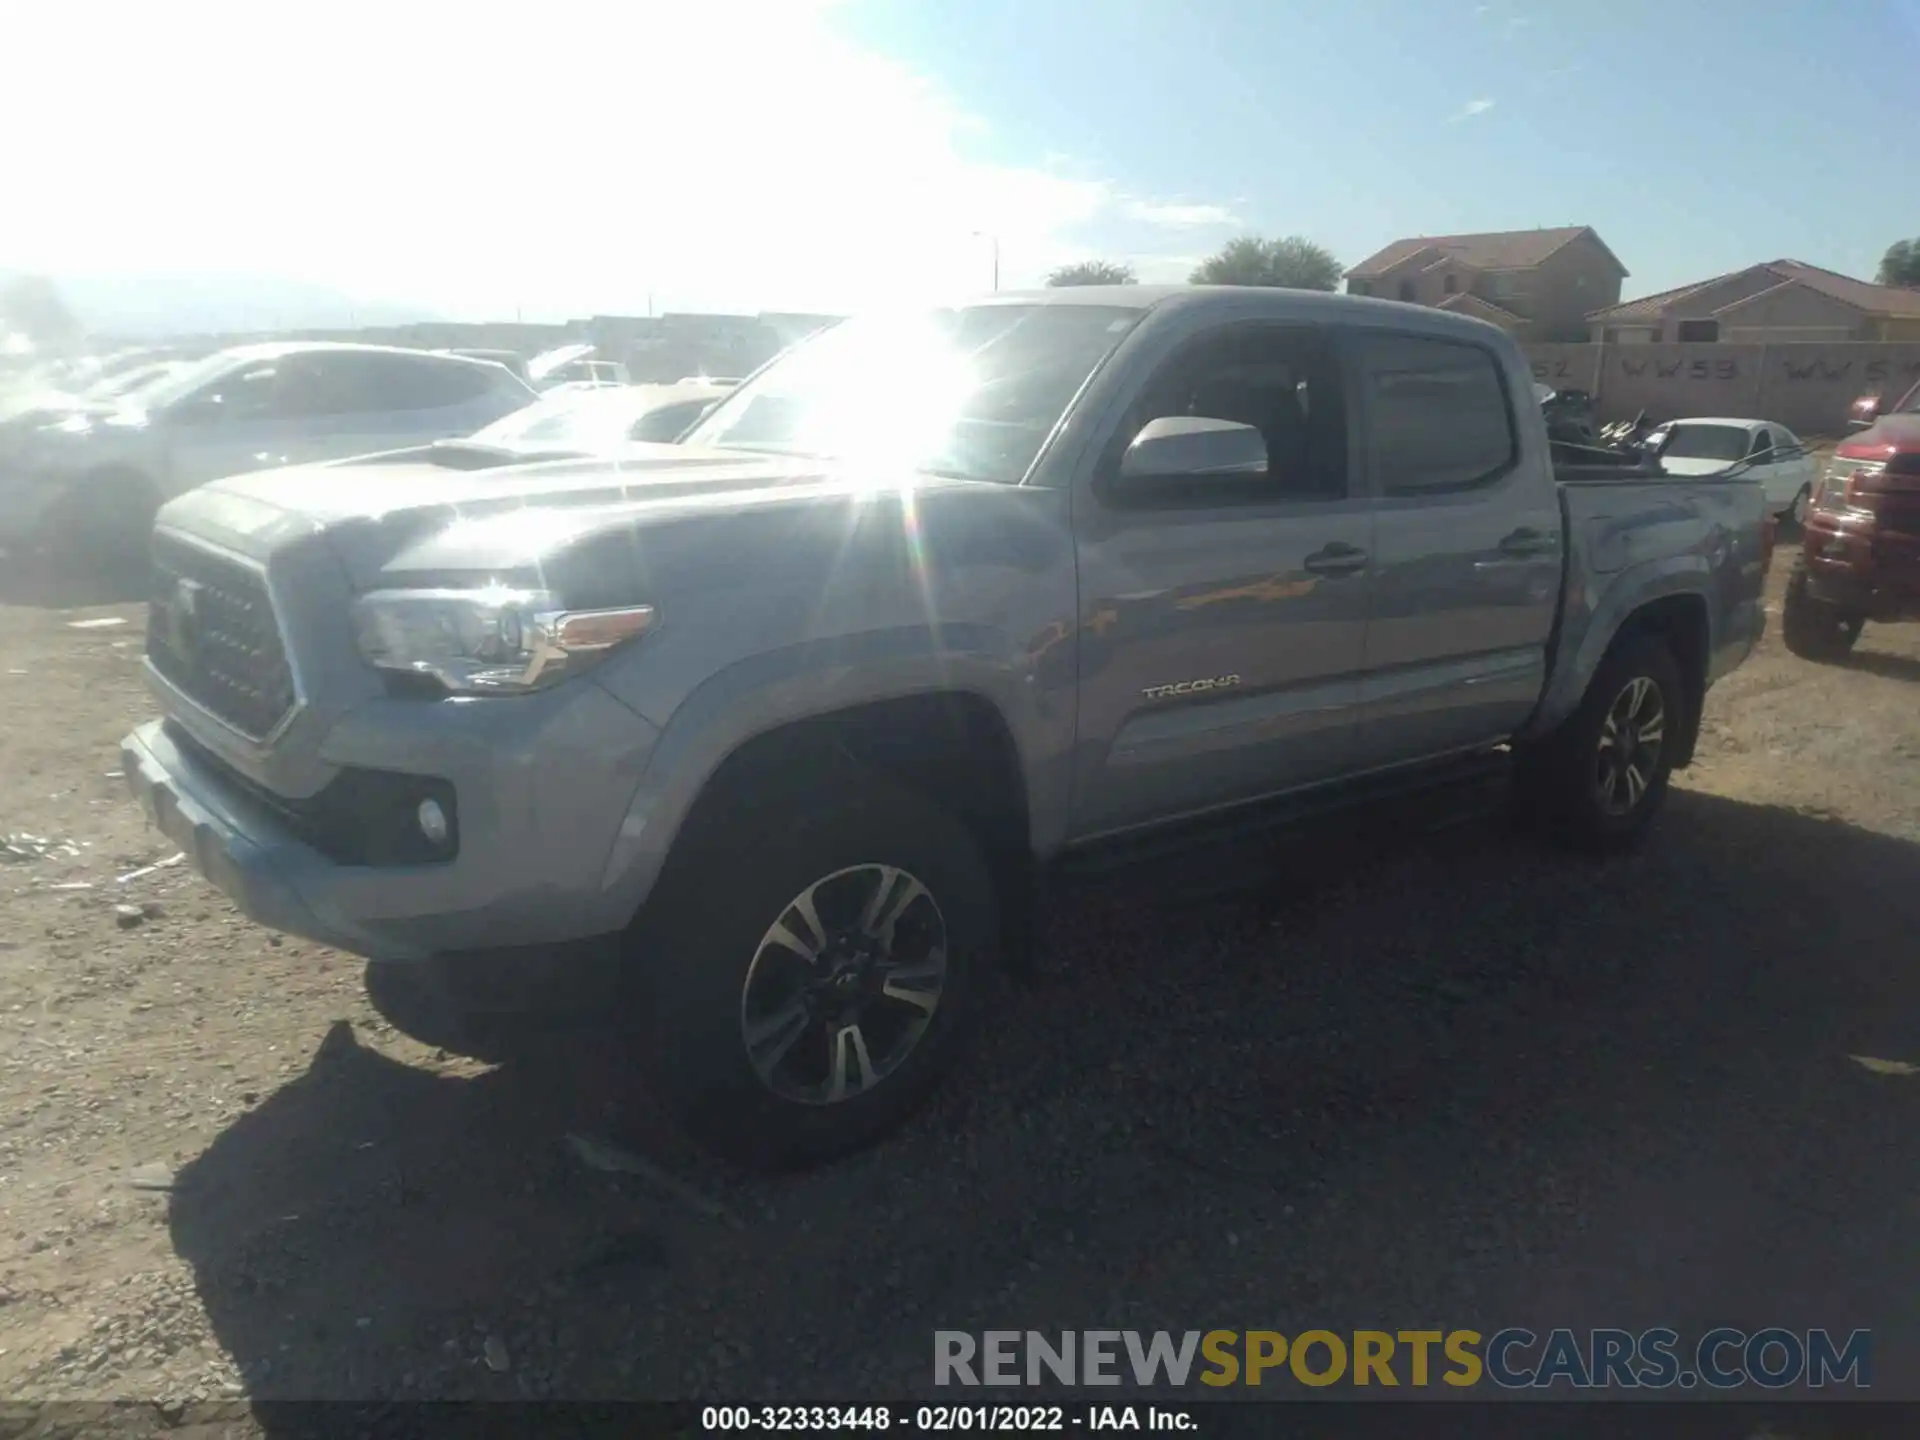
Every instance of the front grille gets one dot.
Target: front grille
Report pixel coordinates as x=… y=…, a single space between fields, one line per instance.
x=211 y=631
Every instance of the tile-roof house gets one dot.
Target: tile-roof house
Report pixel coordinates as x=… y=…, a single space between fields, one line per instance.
x=1775 y=302
x=1539 y=284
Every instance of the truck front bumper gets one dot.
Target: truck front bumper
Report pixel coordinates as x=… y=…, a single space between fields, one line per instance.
x=539 y=795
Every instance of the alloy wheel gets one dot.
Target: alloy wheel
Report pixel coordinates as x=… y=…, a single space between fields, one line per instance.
x=1631 y=739
x=844 y=984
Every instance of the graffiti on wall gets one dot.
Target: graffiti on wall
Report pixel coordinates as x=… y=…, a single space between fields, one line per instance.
x=1870 y=374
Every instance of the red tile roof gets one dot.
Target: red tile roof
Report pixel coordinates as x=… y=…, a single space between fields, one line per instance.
x=1481 y=308
x=1495 y=250
x=1860 y=294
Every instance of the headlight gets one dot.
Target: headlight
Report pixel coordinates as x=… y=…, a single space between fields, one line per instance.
x=489 y=641
x=1840 y=485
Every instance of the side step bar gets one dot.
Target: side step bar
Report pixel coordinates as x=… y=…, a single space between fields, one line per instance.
x=1439 y=797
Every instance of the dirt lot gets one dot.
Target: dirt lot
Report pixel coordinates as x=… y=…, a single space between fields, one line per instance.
x=1446 y=1080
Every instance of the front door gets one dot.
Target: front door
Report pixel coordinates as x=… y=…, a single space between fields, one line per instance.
x=1467 y=551
x=1221 y=630
x=258 y=416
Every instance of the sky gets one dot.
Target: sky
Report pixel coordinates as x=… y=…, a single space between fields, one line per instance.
x=582 y=157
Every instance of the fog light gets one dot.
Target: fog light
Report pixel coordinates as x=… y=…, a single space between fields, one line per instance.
x=433 y=822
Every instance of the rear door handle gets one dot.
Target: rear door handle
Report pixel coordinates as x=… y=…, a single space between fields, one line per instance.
x=1338 y=558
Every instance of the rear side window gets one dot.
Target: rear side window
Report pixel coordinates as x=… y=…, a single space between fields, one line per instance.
x=1437 y=410
x=406 y=382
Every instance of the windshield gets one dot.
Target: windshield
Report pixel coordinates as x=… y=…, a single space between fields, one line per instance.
x=1706 y=442
x=971 y=393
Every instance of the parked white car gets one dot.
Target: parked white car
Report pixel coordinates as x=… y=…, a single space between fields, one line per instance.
x=1767 y=451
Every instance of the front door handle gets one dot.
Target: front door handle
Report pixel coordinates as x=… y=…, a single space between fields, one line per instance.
x=1338 y=558
x=1527 y=541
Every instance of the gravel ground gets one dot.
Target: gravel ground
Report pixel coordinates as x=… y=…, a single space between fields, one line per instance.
x=1440 y=1079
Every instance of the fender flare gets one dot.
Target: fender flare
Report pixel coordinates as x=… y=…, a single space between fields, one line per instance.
x=1586 y=634
x=766 y=693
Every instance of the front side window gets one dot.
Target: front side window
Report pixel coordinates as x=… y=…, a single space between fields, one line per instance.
x=1437 y=414
x=252 y=392
x=376 y=382
x=971 y=392
x=1285 y=383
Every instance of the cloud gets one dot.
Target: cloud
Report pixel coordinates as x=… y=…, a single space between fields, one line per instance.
x=1470 y=109
x=1176 y=215
x=734 y=155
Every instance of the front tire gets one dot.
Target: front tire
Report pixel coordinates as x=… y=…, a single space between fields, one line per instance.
x=103 y=523
x=1796 y=512
x=1600 y=779
x=807 y=976
x=1813 y=629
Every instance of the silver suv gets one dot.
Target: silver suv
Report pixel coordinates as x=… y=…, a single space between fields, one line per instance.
x=90 y=478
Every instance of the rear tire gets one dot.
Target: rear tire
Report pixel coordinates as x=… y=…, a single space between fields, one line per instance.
x=1813 y=629
x=827 y=867
x=1598 y=781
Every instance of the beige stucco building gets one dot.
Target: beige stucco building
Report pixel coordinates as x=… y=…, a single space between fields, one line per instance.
x=1538 y=284
x=1778 y=302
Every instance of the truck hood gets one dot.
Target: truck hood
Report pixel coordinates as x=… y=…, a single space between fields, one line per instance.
x=1894 y=433
x=410 y=517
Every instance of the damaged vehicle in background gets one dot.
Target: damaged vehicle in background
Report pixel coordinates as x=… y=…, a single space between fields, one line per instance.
x=574 y=365
x=85 y=483
x=1761 y=450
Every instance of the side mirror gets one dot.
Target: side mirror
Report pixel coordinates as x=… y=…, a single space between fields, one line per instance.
x=1864 y=411
x=1193 y=447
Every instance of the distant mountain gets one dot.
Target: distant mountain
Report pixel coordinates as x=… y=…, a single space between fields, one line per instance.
x=149 y=307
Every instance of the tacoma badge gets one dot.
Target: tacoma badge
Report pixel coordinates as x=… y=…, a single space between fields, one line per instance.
x=1190 y=687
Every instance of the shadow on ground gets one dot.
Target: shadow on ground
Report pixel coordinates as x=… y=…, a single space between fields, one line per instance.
x=1890 y=667
x=1453 y=1082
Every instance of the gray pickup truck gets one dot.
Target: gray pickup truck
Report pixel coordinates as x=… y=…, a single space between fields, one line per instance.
x=784 y=721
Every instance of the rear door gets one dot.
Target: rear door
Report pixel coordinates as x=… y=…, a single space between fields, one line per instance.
x=274 y=411
x=1221 y=629
x=1466 y=550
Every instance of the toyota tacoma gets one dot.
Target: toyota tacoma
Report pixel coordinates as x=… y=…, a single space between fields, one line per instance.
x=782 y=723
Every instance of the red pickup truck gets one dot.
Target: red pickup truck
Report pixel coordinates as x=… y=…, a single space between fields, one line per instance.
x=1860 y=553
